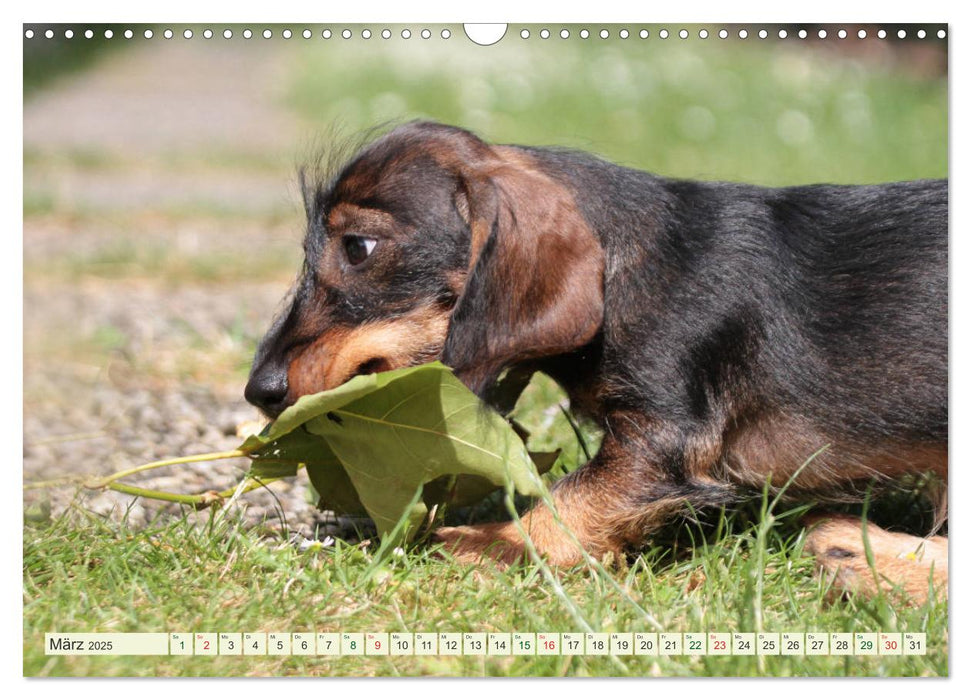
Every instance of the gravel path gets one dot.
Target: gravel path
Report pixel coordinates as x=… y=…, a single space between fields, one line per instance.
x=157 y=98
x=90 y=418
x=143 y=363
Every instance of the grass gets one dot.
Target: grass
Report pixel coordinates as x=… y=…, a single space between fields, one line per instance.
x=773 y=114
x=738 y=571
x=733 y=574
x=47 y=61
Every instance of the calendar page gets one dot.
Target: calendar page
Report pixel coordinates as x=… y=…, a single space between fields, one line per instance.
x=530 y=350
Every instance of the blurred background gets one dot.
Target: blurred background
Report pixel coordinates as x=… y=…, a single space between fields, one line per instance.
x=162 y=223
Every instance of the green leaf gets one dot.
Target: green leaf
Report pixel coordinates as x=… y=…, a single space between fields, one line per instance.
x=371 y=443
x=284 y=455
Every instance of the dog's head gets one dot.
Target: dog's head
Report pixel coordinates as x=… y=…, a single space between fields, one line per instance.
x=431 y=244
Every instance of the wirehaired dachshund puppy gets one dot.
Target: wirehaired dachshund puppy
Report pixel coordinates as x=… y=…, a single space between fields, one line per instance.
x=721 y=334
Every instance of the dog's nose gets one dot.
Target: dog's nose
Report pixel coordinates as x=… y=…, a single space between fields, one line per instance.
x=267 y=389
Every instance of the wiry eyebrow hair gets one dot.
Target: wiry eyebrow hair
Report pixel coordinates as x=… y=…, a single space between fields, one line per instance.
x=333 y=155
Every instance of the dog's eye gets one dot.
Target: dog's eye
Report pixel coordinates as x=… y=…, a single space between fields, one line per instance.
x=358 y=248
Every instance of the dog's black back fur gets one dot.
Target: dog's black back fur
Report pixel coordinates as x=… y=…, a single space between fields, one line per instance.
x=823 y=301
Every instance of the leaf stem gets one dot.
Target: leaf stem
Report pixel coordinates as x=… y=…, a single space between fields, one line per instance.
x=207 y=457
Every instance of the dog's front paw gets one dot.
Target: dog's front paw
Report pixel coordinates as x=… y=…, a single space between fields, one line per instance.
x=503 y=542
x=472 y=544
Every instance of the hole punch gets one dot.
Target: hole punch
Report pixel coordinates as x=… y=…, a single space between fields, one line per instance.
x=484 y=34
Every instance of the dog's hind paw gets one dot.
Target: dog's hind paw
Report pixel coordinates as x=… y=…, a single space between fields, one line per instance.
x=902 y=564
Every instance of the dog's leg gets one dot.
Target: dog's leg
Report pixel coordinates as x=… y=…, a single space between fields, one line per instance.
x=901 y=562
x=605 y=506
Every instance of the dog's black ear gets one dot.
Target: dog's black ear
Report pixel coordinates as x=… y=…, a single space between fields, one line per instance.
x=535 y=283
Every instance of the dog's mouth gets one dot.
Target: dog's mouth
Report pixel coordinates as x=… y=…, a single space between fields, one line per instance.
x=375 y=365
x=372 y=366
